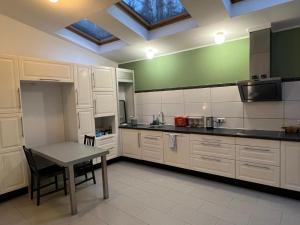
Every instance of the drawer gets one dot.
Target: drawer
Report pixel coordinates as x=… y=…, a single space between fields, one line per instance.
x=260 y=155
x=212 y=138
x=213 y=165
x=109 y=139
x=152 y=154
x=152 y=140
x=213 y=149
x=258 y=173
x=258 y=143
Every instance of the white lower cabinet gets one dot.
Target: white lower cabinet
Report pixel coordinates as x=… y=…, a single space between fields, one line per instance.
x=152 y=146
x=178 y=156
x=131 y=143
x=290 y=165
x=258 y=173
x=108 y=142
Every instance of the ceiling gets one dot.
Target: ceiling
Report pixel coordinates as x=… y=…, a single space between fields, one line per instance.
x=210 y=15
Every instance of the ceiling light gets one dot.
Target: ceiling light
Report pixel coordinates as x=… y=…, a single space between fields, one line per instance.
x=219 y=38
x=53 y=1
x=150 y=53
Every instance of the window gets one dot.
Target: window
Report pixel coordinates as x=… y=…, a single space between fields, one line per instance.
x=92 y=32
x=155 y=13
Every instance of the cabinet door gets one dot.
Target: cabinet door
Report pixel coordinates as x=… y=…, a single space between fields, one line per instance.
x=104 y=103
x=83 y=87
x=290 y=165
x=11 y=132
x=45 y=70
x=86 y=123
x=131 y=140
x=103 y=79
x=152 y=146
x=13 y=170
x=180 y=155
x=9 y=85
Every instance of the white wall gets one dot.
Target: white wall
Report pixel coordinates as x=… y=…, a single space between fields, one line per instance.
x=22 y=40
x=222 y=102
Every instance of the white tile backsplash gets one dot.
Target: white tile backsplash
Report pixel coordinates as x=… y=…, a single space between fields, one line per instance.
x=172 y=96
x=267 y=110
x=227 y=109
x=222 y=102
x=197 y=95
x=225 y=94
x=198 y=109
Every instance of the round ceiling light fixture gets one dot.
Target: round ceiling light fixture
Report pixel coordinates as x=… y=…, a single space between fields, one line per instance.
x=150 y=53
x=219 y=38
x=53 y=1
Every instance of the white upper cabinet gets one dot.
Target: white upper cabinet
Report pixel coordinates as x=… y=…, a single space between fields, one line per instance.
x=9 y=85
x=290 y=165
x=103 y=79
x=45 y=70
x=83 y=86
x=104 y=103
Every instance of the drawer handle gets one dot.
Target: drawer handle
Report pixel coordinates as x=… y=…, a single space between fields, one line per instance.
x=212 y=144
x=257 y=149
x=152 y=138
x=211 y=159
x=210 y=140
x=41 y=79
x=255 y=166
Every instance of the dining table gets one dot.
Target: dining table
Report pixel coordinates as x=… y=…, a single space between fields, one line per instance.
x=67 y=154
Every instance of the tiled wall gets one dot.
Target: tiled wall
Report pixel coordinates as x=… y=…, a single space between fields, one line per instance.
x=222 y=102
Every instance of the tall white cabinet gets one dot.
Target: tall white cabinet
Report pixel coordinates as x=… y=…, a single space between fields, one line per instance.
x=12 y=164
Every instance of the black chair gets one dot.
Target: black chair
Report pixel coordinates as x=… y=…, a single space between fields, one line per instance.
x=84 y=168
x=39 y=173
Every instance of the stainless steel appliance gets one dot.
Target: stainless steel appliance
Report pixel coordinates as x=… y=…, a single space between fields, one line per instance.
x=122 y=112
x=196 y=121
x=209 y=122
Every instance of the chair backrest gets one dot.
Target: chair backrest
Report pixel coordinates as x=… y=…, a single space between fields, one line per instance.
x=89 y=140
x=30 y=159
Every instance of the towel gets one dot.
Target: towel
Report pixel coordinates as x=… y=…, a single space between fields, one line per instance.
x=173 y=141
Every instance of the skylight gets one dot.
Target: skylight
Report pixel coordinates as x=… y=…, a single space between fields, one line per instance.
x=155 y=13
x=92 y=32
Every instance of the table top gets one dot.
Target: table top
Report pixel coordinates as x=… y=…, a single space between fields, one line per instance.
x=69 y=153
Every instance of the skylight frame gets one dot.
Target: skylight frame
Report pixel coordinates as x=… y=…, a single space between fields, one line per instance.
x=91 y=38
x=148 y=26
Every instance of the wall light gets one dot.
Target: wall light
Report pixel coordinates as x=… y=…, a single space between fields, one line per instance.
x=150 y=53
x=219 y=38
x=53 y=1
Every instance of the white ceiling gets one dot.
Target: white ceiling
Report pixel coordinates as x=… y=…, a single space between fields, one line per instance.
x=210 y=15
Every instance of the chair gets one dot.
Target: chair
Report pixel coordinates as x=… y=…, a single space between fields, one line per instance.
x=39 y=173
x=84 y=168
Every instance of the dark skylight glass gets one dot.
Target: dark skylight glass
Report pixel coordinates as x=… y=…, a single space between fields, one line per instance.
x=156 y=11
x=91 y=29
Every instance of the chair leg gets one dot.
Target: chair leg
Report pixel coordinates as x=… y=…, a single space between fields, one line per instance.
x=31 y=186
x=86 y=177
x=56 y=183
x=93 y=174
x=38 y=188
x=65 y=182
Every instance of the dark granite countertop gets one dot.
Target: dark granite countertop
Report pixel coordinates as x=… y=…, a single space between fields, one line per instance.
x=260 y=134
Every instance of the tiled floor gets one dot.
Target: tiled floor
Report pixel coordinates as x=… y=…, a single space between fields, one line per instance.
x=141 y=195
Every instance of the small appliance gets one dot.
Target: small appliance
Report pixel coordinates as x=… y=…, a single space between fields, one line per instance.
x=209 y=122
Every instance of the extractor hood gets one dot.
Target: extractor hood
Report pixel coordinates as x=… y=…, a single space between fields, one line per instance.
x=260 y=87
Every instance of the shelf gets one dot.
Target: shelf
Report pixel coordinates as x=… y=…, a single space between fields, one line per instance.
x=105 y=115
x=105 y=136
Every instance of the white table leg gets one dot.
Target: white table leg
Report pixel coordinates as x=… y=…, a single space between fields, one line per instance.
x=104 y=177
x=72 y=190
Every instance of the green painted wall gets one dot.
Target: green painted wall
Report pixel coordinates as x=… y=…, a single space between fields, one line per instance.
x=216 y=64
x=285 y=59
x=224 y=63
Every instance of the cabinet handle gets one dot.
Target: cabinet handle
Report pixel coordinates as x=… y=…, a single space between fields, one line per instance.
x=257 y=149
x=210 y=140
x=139 y=140
x=22 y=127
x=76 y=93
x=78 y=121
x=44 y=79
x=212 y=144
x=211 y=159
x=255 y=166
x=93 y=79
x=94 y=103
x=152 y=138
x=19 y=98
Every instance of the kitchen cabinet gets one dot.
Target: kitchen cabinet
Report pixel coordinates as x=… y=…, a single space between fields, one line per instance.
x=290 y=165
x=83 y=86
x=131 y=143
x=152 y=146
x=9 y=85
x=108 y=142
x=104 y=104
x=45 y=70
x=86 y=123
x=178 y=156
x=103 y=79
x=13 y=170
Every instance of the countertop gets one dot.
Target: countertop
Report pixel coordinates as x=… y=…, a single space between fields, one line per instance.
x=260 y=134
